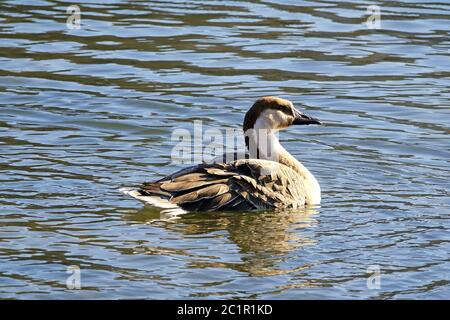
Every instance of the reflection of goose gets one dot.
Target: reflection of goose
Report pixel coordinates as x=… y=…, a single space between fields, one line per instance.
x=270 y=178
x=263 y=239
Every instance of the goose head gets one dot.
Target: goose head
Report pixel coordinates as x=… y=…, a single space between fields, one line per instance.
x=273 y=114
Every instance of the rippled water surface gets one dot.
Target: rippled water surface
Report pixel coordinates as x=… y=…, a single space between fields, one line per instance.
x=85 y=112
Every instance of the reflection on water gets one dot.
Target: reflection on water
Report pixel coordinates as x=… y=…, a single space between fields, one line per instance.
x=263 y=238
x=85 y=112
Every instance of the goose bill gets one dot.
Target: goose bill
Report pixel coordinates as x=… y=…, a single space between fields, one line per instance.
x=301 y=118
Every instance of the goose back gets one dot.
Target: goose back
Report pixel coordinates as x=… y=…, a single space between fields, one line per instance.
x=245 y=184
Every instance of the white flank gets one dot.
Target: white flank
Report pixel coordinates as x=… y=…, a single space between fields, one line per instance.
x=152 y=200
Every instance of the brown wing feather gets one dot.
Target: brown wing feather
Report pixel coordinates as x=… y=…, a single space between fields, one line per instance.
x=245 y=184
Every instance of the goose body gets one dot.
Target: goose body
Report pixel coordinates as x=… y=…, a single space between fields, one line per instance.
x=268 y=177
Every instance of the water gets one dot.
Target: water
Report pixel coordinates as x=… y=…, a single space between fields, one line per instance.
x=85 y=112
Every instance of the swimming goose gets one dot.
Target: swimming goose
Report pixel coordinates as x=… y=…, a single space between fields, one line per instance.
x=270 y=177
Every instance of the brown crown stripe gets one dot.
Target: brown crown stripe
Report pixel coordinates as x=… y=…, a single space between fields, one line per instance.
x=262 y=104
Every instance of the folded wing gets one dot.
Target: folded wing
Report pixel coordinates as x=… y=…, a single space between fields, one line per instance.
x=245 y=184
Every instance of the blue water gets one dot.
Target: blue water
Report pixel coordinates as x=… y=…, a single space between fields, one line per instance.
x=86 y=111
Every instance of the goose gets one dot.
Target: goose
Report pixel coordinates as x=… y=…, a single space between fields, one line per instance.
x=268 y=177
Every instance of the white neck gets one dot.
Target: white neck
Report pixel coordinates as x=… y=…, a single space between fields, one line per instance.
x=263 y=142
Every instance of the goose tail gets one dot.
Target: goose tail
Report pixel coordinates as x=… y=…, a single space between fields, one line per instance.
x=154 y=201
